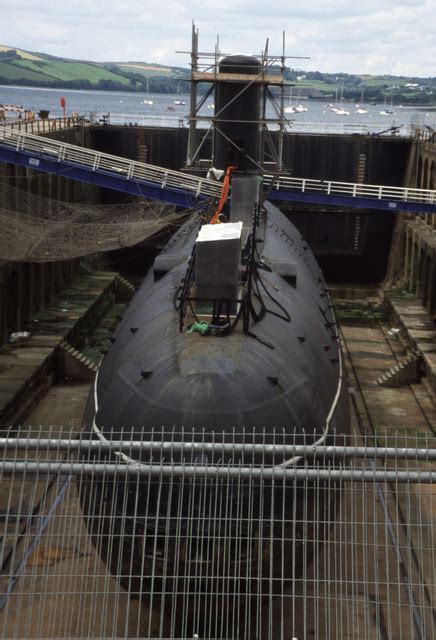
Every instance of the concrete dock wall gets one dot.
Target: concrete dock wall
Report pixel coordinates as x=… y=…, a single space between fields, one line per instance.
x=25 y=287
x=414 y=250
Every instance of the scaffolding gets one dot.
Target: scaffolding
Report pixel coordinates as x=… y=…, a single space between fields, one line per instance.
x=205 y=69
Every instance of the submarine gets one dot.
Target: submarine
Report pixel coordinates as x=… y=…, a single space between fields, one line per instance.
x=231 y=337
x=267 y=354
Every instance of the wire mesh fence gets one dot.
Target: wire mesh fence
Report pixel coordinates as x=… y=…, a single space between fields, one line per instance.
x=253 y=536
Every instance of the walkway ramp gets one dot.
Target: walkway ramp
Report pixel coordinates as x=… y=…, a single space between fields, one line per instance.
x=176 y=187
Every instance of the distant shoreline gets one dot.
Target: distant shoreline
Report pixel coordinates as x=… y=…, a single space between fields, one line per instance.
x=37 y=70
x=96 y=90
x=320 y=99
x=328 y=98
x=87 y=90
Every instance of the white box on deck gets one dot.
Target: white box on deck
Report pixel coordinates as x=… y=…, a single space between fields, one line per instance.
x=218 y=258
x=222 y=231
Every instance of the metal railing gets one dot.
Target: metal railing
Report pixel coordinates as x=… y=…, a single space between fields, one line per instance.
x=167 y=178
x=349 y=128
x=151 y=445
x=96 y=161
x=330 y=462
x=99 y=548
x=354 y=190
x=45 y=125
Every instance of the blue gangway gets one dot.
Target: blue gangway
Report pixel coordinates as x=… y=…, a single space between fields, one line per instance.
x=186 y=190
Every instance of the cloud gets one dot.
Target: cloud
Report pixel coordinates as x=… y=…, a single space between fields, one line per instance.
x=378 y=36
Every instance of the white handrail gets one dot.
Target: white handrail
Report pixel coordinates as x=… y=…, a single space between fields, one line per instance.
x=163 y=178
x=354 y=190
x=105 y=162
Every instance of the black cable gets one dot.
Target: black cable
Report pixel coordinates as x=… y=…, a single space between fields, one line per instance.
x=192 y=310
x=287 y=316
x=263 y=307
x=177 y=301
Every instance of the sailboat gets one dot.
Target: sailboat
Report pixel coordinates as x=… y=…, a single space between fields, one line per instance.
x=179 y=102
x=359 y=108
x=300 y=108
x=340 y=111
x=385 y=111
x=147 y=99
x=334 y=107
x=290 y=108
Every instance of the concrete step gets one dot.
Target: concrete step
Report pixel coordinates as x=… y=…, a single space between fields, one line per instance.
x=408 y=371
x=420 y=331
x=124 y=289
x=98 y=341
x=28 y=367
x=73 y=364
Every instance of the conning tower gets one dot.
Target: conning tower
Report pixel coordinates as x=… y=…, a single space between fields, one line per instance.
x=237 y=114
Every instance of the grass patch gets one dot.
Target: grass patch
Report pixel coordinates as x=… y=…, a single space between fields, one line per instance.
x=24 y=54
x=67 y=71
x=314 y=84
x=12 y=71
x=358 y=315
x=399 y=293
x=145 y=70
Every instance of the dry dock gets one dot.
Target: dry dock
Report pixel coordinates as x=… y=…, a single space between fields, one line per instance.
x=357 y=557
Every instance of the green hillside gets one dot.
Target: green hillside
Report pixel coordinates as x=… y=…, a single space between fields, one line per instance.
x=38 y=69
x=49 y=71
x=13 y=74
x=29 y=68
x=143 y=69
x=66 y=71
x=369 y=88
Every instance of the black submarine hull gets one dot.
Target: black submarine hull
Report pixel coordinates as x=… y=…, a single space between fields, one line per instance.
x=285 y=385
x=289 y=376
x=290 y=379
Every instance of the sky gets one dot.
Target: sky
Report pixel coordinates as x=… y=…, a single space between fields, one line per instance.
x=368 y=36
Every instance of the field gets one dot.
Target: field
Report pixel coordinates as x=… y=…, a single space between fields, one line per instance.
x=52 y=70
x=40 y=69
x=144 y=69
x=24 y=54
x=315 y=84
x=14 y=73
x=71 y=70
x=24 y=67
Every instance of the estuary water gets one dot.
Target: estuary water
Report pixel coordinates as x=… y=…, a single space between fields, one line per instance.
x=129 y=108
